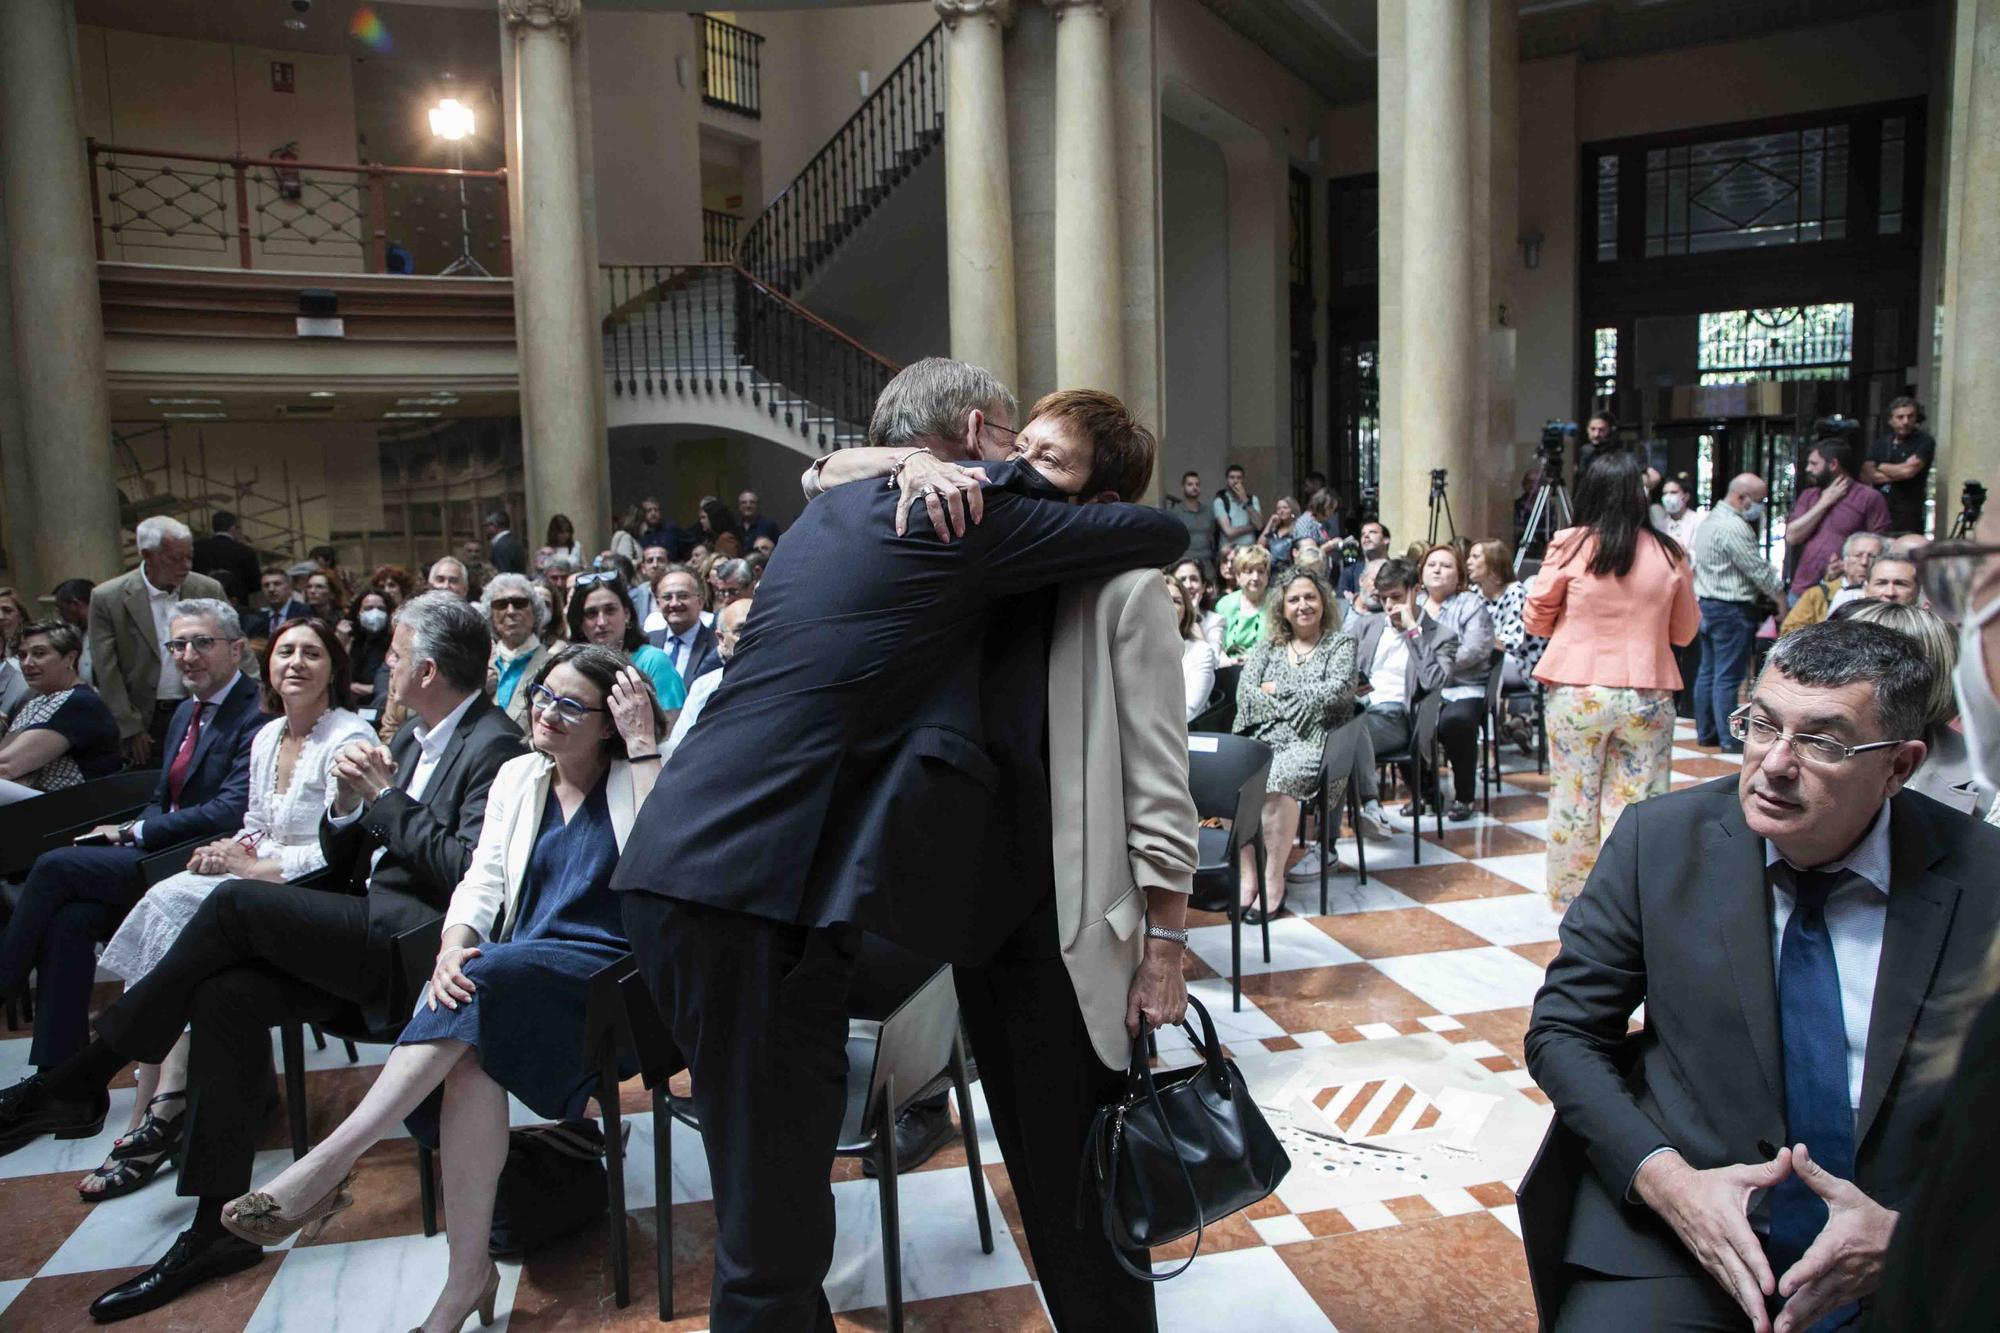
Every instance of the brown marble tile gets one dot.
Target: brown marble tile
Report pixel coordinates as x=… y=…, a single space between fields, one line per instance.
x=62 y=1304
x=1503 y=1027
x=1540 y=952
x=1529 y=780
x=386 y=1198
x=1233 y=1232
x=1493 y=1194
x=1010 y=1209
x=1499 y=1064
x=568 y=1286
x=330 y=1095
x=1005 y=1310
x=1706 y=768
x=37 y=1214
x=1511 y=808
x=1280 y=1044
x=1329 y=997
x=1465 y=1272
x=1268 y=1206
x=1486 y=840
x=1537 y=1096
x=1412 y=1208
x=1327 y=1222
x=1444 y=884
x=1399 y=931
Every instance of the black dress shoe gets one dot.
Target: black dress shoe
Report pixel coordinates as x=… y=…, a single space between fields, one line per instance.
x=920 y=1131
x=190 y=1261
x=28 y=1110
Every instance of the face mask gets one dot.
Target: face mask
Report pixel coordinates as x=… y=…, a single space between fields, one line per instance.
x=1978 y=710
x=373 y=620
x=1673 y=504
x=1753 y=513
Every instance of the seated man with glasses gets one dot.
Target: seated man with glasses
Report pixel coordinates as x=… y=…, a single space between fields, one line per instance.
x=1799 y=936
x=76 y=896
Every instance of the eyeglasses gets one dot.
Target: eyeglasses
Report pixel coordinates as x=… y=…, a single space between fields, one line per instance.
x=594 y=578
x=567 y=711
x=1822 y=750
x=1008 y=431
x=511 y=603
x=201 y=643
x=1950 y=575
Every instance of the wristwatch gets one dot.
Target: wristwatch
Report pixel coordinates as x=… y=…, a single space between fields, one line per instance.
x=1179 y=937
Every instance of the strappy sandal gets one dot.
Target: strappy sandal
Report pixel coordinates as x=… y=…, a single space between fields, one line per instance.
x=122 y=1176
x=155 y=1135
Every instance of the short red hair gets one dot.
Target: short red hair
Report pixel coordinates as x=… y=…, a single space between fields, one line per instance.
x=1122 y=450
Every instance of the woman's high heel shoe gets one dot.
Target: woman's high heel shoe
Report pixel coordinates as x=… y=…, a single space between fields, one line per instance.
x=255 y=1216
x=483 y=1307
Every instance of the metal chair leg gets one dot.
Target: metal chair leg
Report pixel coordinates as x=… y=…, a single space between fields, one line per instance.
x=319 y=1038
x=663 y=1194
x=968 y=1128
x=292 y=1042
x=614 y=1179
x=353 y=1056
x=427 y=1187
x=1263 y=903
x=1360 y=842
x=892 y=1227
x=1325 y=842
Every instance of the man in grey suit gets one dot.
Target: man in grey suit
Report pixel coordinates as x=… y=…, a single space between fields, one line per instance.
x=1798 y=935
x=135 y=674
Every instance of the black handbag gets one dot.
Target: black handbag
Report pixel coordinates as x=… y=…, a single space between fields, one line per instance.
x=1180 y=1150
x=554 y=1183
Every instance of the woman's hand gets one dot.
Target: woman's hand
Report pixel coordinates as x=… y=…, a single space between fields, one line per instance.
x=225 y=857
x=448 y=984
x=1269 y=687
x=631 y=706
x=1159 y=988
x=950 y=495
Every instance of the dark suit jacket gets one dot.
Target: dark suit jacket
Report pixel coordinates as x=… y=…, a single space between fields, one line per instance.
x=852 y=727
x=216 y=551
x=509 y=555
x=427 y=844
x=217 y=789
x=702 y=654
x=263 y=622
x=1677 y=914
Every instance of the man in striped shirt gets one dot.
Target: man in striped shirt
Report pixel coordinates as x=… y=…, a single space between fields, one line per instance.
x=1729 y=573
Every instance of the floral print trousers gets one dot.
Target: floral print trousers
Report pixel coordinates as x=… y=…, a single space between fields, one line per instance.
x=1608 y=747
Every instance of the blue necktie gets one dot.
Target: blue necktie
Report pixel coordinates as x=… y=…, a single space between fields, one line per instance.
x=1817 y=1110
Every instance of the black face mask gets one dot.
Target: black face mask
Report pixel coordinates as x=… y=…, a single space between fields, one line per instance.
x=1025 y=480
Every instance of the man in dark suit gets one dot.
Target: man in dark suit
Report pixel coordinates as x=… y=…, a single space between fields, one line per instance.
x=1798 y=935
x=225 y=549
x=400 y=831
x=684 y=638
x=867 y=653
x=509 y=555
x=76 y=896
x=281 y=604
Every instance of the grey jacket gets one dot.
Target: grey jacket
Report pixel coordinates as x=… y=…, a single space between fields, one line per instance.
x=1432 y=650
x=1471 y=626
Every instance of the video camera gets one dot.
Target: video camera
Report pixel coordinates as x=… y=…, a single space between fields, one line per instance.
x=1555 y=436
x=1971 y=503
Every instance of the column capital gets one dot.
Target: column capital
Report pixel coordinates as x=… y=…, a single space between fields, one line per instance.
x=1095 y=8
x=565 y=16
x=1000 y=13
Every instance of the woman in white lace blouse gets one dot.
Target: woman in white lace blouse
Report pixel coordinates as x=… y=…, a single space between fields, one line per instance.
x=291 y=758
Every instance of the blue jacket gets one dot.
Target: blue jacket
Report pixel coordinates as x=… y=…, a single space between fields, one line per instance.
x=217 y=790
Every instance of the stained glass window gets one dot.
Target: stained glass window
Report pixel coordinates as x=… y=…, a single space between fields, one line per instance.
x=1606 y=348
x=1814 y=342
x=1607 y=207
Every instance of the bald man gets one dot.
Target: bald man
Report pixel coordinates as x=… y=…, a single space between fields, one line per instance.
x=1730 y=571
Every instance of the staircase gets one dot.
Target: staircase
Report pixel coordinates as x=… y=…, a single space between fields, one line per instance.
x=733 y=331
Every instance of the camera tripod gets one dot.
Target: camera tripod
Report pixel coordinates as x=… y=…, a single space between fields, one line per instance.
x=1549 y=514
x=1440 y=504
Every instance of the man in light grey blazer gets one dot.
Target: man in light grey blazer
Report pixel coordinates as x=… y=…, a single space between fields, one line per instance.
x=135 y=675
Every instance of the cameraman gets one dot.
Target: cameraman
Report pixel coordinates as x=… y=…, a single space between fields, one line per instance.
x=1898 y=462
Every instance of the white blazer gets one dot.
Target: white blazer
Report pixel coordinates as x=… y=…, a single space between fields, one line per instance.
x=491 y=889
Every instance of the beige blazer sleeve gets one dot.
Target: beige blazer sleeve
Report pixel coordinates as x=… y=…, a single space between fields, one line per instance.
x=1150 y=704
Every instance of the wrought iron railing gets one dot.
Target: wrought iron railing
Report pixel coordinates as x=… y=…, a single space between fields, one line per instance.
x=707 y=330
x=280 y=210
x=731 y=76
x=718 y=236
x=894 y=129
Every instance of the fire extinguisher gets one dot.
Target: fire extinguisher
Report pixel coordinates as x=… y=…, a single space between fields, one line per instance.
x=290 y=185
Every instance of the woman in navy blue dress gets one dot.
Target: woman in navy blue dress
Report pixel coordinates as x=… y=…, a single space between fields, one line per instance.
x=503 y=1012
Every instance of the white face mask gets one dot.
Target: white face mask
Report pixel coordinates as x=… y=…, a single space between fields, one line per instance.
x=1978 y=710
x=373 y=620
x=1753 y=513
x=1673 y=504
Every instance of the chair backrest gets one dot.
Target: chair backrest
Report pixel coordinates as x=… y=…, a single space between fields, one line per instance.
x=1218 y=715
x=1227 y=782
x=1226 y=680
x=1424 y=726
x=1336 y=760
x=1495 y=675
x=170 y=861
x=915 y=1043
x=29 y=828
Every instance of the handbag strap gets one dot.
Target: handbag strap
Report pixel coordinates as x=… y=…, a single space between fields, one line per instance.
x=1142 y=1068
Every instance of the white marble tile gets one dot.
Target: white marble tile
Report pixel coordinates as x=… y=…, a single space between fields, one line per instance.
x=1452 y=1202
x=1517 y=918
x=690 y=1166
x=365 y=1285
x=1477 y=1050
x=1369 y=1215
x=1396 y=853
x=1295 y=944
x=941 y=1254
x=1307 y=1040
x=1346 y=894
x=133 y=1232
x=9 y=1290
x=47 y=1156
x=1376 y=1031
x=1520 y=1078
x=1534 y=828
x=1251 y=1023
x=1441 y=1022
x=1247 y=1289
x=1281 y=1230
x=1528 y=869
x=1509 y=1217
x=1466 y=981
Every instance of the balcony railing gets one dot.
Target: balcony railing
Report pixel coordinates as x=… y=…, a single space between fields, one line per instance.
x=718 y=236
x=730 y=74
x=250 y=212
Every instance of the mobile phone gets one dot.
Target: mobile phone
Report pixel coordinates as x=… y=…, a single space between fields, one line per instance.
x=91 y=839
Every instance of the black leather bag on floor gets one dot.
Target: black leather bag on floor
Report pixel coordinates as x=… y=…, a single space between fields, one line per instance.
x=553 y=1184
x=1182 y=1149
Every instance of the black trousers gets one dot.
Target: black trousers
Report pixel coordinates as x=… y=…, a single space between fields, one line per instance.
x=759 y=1009
x=74 y=898
x=1458 y=737
x=255 y=955
x=1044 y=1084
x=163 y=716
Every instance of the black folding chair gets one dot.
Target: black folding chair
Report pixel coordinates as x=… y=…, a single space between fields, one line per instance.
x=1219 y=713
x=1423 y=741
x=1226 y=777
x=54 y=819
x=621 y=1019
x=1489 y=731
x=1336 y=763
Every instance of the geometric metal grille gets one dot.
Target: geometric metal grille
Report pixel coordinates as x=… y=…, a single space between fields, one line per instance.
x=180 y=206
x=1814 y=342
x=300 y=212
x=1787 y=188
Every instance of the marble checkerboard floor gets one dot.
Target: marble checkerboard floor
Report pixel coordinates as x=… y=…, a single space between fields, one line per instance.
x=1394 y=1020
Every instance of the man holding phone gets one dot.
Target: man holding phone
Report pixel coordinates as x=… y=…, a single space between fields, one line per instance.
x=1400 y=656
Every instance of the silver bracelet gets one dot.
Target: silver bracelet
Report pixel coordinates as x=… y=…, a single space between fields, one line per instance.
x=1179 y=937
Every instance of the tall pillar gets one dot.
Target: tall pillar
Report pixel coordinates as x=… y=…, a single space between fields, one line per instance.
x=979 y=212
x=1436 y=427
x=1971 y=391
x=555 y=310
x=1089 y=313
x=58 y=343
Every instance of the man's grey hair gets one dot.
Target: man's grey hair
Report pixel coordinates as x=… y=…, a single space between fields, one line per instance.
x=736 y=569
x=159 y=528
x=211 y=608
x=929 y=399
x=1834 y=653
x=566 y=564
x=463 y=572
x=519 y=585
x=498 y=518
x=1847 y=547
x=452 y=632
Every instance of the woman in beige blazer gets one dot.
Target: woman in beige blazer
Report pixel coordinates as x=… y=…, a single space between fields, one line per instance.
x=503 y=1013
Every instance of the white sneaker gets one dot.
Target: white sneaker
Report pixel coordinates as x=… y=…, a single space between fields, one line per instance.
x=1307 y=866
x=1375 y=823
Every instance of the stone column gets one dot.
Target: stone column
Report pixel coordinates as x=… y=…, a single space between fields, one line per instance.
x=555 y=311
x=1089 y=312
x=1436 y=381
x=979 y=213
x=58 y=343
x=1971 y=290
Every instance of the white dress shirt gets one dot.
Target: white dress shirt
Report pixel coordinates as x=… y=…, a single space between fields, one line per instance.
x=1855 y=917
x=1388 y=674
x=679 y=648
x=430 y=745
x=698 y=692
x=161 y=603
